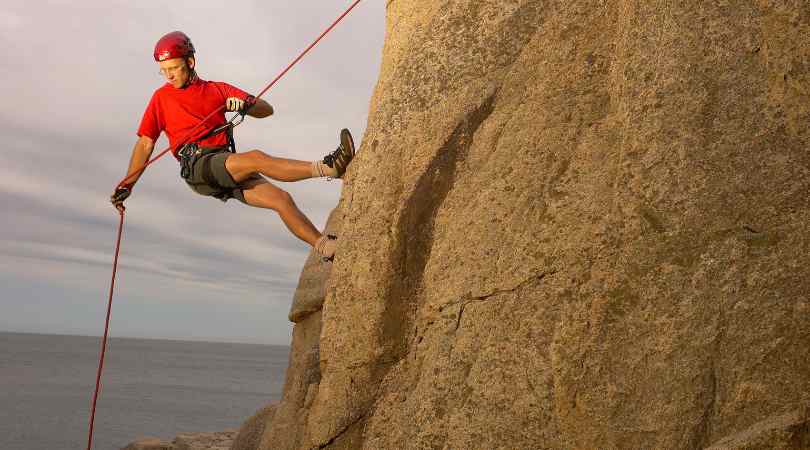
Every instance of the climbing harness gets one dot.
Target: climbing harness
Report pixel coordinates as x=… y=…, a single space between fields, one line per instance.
x=194 y=158
x=191 y=152
x=228 y=127
x=189 y=137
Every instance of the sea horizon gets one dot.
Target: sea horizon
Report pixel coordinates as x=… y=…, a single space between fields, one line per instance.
x=150 y=387
x=146 y=338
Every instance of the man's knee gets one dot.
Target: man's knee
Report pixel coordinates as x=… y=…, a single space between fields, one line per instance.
x=284 y=197
x=256 y=154
x=245 y=164
x=254 y=159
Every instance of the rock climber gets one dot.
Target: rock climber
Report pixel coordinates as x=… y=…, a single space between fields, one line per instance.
x=210 y=166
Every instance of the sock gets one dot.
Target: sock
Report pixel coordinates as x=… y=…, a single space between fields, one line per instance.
x=320 y=170
x=326 y=246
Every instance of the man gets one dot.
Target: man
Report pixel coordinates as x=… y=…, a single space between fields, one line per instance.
x=209 y=167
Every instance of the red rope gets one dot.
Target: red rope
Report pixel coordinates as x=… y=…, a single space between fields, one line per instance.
x=313 y=44
x=106 y=330
x=182 y=141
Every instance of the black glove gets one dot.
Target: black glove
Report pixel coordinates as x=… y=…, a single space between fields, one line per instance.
x=117 y=199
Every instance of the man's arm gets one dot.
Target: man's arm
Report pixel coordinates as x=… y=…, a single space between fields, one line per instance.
x=140 y=155
x=260 y=109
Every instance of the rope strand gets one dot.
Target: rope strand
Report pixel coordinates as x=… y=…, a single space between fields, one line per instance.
x=106 y=330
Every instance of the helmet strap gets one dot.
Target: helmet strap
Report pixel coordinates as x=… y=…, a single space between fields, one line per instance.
x=193 y=77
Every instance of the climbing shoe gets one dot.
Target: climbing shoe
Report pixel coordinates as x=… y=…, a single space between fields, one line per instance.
x=325 y=246
x=340 y=158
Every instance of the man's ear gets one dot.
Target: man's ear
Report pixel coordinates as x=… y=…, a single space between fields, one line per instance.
x=191 y=62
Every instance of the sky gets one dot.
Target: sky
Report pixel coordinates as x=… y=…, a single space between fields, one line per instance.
x=76 y=79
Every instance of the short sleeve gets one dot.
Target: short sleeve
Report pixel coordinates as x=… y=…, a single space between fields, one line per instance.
x=232 y=91
x=151 y=123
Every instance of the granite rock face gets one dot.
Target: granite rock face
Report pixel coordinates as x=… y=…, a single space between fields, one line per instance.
x=782 y=432
x=578 y=224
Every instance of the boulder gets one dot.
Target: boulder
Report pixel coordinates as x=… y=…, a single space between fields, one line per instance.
x=250 y=433
x=149 y=443
x=204 y=441
x=311 y=290
x=187 y=441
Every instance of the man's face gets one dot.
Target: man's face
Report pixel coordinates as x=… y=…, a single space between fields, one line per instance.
x=177 y=71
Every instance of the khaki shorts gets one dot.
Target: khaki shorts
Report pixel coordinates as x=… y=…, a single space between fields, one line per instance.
x=209 y=177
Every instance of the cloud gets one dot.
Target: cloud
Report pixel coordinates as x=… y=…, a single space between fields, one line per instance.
x=10 y=22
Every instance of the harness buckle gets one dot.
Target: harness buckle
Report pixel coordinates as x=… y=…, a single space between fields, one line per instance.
x=188 y=154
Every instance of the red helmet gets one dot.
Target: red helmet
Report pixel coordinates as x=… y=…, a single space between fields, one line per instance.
x=174 y=45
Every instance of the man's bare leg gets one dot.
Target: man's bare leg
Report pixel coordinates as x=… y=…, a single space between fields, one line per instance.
x=242 y=165
x=263 y=194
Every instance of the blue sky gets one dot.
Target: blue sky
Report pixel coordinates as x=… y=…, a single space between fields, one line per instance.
x=77 y=76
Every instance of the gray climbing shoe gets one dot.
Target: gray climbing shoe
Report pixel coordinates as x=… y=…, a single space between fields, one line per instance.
x=343 y=155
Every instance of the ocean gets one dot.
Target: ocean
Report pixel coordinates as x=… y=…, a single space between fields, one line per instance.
x=149 y=388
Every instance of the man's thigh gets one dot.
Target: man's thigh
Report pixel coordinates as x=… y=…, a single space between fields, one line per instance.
x=210 y=177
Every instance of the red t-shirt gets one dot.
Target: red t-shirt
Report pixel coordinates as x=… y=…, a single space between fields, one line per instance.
x=178 y=111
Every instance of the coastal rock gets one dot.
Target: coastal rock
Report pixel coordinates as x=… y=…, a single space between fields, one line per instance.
x=250 y=433
x=311 y=290
x=303 y=377
x=149 y=443
x=578 y=224
x=204 y=441
x=187 y=441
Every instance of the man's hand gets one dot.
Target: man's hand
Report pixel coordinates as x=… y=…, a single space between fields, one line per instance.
x=236 y=104
x=117 y=198
x=233 y=104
